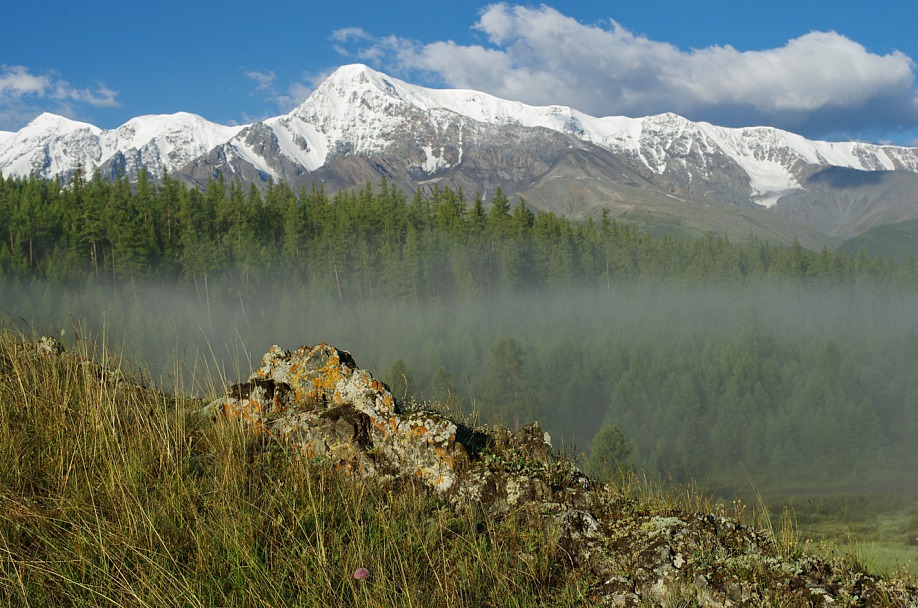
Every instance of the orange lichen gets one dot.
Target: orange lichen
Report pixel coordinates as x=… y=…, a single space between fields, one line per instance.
x=249 y=412
x=446 y=459
x=347 y=467
x=328 y=376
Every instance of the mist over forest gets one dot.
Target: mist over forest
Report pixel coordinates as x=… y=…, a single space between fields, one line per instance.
x=715 y=359
x=799 y=386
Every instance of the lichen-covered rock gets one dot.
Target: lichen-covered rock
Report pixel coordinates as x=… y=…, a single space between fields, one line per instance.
x=49 y=347
x=327 y=375
x=319 y=402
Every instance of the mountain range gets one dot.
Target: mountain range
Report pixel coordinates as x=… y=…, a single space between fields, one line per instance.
x=359 y=125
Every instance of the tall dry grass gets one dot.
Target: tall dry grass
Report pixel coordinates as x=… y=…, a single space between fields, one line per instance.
x=116 y=494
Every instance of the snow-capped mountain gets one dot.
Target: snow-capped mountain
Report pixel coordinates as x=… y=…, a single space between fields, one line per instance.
x=360 y=112
x=53 y=145
x=360 y=124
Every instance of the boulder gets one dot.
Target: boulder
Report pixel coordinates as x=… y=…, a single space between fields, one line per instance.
x=317 y=401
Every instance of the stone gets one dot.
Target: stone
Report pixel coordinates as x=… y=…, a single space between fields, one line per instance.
x=49 y=347
x=316 y=400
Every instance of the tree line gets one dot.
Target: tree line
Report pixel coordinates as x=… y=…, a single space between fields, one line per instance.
x=369 y=243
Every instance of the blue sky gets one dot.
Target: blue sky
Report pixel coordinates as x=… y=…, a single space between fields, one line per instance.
x=832 y=70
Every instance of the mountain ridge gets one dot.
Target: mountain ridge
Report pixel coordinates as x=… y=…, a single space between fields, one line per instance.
x=419 y=137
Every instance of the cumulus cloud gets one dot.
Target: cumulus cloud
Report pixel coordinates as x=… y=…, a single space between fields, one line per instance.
x=299 y=91
x=284 y=97
x=820 y=84
x=24 y=95
x=17 y=83
x=295 y=95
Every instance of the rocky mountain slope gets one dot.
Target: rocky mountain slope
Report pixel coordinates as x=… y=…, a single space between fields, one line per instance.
x=360 y=125
x=898 y=241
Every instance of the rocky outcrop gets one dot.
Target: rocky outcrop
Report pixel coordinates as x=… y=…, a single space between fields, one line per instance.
x=315 y=400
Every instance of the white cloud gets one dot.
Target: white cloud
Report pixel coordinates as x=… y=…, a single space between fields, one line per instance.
x=285 y=100
x=299 y=91
x=296 y=94
x=23 y=95
x=16 y=81
x=263 y=80
x=821 y=83
x=348 y=34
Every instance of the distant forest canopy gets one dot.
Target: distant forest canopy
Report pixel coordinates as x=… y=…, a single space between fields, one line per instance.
x=375 y=242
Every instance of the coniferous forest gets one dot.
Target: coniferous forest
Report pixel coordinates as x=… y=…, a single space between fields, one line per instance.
x=369 y=243
x=716 y=359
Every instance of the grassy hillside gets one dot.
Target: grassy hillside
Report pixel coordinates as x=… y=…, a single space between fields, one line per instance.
x=896 y=241
x=114 y=494
x=117 y=494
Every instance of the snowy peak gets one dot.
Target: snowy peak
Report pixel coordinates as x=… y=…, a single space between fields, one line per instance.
x=171 y=128
x=49 y=145
x=163 y=142
x=53 y=145
x=357 y=110
x=474 y=105
x=358 y=76
x=58 y=125
x=348 y=90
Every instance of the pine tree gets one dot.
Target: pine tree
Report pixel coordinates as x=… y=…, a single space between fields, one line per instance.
x=507 y=389
x=610 y=454
x=400 y=381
